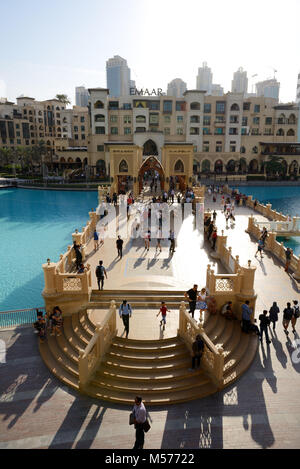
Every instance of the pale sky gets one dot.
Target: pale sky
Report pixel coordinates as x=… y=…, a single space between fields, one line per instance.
x=52 y=47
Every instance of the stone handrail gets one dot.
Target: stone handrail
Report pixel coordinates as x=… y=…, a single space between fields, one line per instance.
x=265 y=210
x=213 y=357
x=76 y=283
x=276 y=248
x=91 y=357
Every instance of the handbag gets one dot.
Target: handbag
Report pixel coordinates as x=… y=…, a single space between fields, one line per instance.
x=146 y=426
x=131 y=418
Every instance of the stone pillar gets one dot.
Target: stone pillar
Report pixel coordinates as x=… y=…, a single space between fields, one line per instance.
x=296 y=274
x=269 y=211
x=247 y=287
x=94 y=219
x=250 y=228
x=77 y=237
x=221 y=244
x=49 y=276
x=270 y=241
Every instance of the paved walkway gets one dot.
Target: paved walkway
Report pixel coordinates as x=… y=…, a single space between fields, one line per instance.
x=261 y=410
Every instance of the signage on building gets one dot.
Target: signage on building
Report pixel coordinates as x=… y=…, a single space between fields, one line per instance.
x=145 y=92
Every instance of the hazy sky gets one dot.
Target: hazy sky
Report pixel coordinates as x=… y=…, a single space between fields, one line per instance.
x=51 y=47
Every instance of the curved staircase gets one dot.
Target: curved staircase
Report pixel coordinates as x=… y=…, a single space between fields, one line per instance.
x=158 y=370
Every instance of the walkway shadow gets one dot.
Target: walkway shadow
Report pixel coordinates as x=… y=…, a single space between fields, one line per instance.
x=27 y=379
x=280 y=354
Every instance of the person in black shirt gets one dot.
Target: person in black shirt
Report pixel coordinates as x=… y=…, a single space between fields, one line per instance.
x=287 y=316
x=197 y=348
x=192 y=296
x=264 y=323
x=119 y=244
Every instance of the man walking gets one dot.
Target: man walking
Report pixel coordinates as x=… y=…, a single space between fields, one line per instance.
x=192 y=296
x=125 y=313
x=172 y=241
x=287 y=316
x=197 y=348
x=288 y=256
x=119 y=244
x=264 y=323
x=140 y=417
x=100 y=272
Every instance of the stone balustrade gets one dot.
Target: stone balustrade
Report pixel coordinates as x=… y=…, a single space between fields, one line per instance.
x=91 y=357
x=213 y=357
x=275 y=247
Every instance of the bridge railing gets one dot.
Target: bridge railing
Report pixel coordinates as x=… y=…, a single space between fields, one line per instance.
x=91 y=357
x=18 y=317
x=212 y=360
x=275 y=247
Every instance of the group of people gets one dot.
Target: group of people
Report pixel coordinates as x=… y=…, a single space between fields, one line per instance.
x=210 y=229
x=52 y=322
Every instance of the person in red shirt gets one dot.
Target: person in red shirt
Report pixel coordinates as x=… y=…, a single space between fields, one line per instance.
x=163 y=311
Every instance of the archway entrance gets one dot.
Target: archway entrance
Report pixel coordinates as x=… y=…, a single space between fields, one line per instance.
x=150 y=148
x=153 y=168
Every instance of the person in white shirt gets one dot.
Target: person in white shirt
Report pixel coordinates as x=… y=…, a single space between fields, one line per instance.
x=140 y=416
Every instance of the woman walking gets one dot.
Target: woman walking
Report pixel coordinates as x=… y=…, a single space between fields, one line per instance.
x=274 y=310
x=202 y=298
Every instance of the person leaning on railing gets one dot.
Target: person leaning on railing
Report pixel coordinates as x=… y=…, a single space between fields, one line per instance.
x=40 y=326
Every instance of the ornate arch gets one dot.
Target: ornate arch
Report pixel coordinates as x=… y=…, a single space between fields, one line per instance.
x=179 y=166
x=123 y=166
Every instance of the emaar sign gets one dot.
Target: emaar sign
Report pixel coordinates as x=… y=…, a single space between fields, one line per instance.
x=146 y=92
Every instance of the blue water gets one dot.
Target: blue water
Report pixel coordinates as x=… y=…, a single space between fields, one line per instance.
x=35 y=225
x=285 y=199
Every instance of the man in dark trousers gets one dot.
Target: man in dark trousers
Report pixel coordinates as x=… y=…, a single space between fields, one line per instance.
x=140 y=417
x=264 y=323
x=198 y=348
x=192 y=296
x=125 y=313
x=119 y=244
x=100 y=272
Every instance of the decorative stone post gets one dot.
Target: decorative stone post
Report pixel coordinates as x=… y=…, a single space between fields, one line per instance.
x=270 y=241
x=250 y=228
x=94 y=219
x=247 y=287
x=296 y=274
x=77 y=237
x=49 y=276
x=221 y=244
x=269 y=211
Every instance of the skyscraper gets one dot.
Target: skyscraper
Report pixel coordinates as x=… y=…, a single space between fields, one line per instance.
x=117 y=76
x=204 y=78
x=298 y=90
x=239 y=83
x=81 y=96
x=268 y=88
x=176 y=88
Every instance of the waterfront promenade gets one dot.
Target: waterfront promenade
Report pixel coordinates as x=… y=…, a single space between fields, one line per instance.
x=261 y=410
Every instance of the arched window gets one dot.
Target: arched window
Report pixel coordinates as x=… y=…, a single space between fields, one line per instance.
x=280 y=132
x=281 y=119
x=57 y=108
x=292 y=119
x=290 y=133
x=218 y=166
x=99 y=118
x=123 y=167
x=230 y=166
x=141 y=119
x=31 y=127
x=253 y=166
x=62 y=160
x=243 y=150
x=195 y=106
x=234 y=107
x=242 y=165
x=98 y=105
x=58 y=129
x=70 y=160
x=179 y=167
x=78 y=160
x=294 y=167
x=206 y=166
x=255 y=149
x=48 y=143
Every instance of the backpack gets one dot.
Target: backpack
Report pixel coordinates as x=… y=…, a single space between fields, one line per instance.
x=100 y=271
x=296 y=311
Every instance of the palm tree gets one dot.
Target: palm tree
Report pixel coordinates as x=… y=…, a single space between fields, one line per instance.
x=63 y=98
x=275 y=165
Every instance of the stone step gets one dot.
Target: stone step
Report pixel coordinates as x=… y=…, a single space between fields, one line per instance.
x=119 y=397
x=52 y=364
x=153 y=356
x=146 y=388
x=144 y=366
x=164 y=375
x=61 y=357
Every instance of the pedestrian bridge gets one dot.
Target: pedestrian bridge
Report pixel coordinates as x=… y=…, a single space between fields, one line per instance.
x=281 y=228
